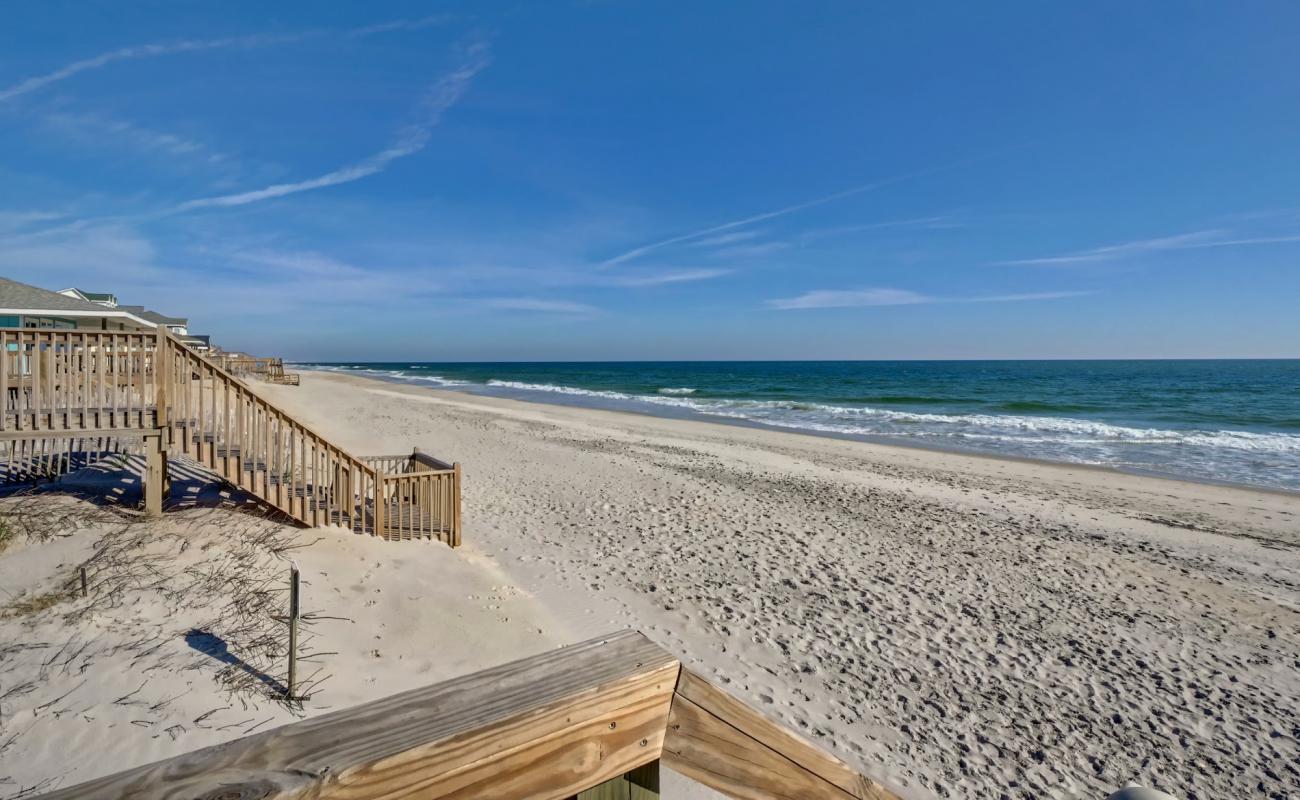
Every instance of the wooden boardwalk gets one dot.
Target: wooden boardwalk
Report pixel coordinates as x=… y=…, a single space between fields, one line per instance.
x=65 y=392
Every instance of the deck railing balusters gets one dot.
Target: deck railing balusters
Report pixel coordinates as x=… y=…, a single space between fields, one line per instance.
x=54 y=383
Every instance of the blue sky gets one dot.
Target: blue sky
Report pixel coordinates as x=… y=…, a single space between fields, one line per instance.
x=639 y=180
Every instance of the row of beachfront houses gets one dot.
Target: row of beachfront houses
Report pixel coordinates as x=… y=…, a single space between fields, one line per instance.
x=26 y=306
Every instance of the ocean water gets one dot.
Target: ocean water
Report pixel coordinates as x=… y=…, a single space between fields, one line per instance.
x=1229 y=421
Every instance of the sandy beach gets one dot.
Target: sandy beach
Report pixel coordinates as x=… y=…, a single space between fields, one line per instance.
x=955 y=626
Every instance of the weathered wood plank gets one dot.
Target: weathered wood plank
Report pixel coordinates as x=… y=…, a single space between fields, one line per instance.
x=726 y=745
x=545 y=727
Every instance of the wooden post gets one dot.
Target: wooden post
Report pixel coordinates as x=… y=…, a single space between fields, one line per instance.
x=291 y=690
x=155 y=480
x=84 y=590
x=455 y=518
x=381 y=503
x=162 y=356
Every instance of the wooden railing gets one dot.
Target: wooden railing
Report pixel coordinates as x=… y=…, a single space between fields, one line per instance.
x=270 y=370
x=592 y=720
x=420 y=497
x=65 y=385
x=220 y=422
x=56 y=380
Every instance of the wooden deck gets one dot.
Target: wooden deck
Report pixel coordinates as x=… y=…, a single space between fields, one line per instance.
x=591 y=720
x=62 y=389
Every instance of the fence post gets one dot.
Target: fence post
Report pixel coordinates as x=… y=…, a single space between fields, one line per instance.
x=291 y=689
x=162 y=372
x=381 y=505
x=155 y=478
x=455 y=519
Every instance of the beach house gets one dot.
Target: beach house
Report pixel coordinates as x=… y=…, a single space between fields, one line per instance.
x=26 y=306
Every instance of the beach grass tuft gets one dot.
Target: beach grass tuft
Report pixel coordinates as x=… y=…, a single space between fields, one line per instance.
x=27 y=605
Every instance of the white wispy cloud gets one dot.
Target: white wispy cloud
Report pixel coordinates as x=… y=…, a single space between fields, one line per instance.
x=410 y=140
x=95 y=128
x=159 y=49
x=1187 y=241
x=928 y=223
x=538 y=304
x=726 y=238
x=663 y=278
x=17 y=220
x=862 y=298
x=80 y=255
x=302 y=264
x=751 y=250
x=400 y=25
x=745 y=222
x=142 y=52
x=759 y=217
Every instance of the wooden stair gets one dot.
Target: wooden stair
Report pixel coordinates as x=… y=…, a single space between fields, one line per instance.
x=63 y=386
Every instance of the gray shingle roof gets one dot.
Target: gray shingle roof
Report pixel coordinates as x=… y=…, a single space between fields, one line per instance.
x=22 y=296
x=153 y=316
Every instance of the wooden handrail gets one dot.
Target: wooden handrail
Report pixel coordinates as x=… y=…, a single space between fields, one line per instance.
x=418 y=456
x=233 y=379
x=542 y=728
x=59 y=381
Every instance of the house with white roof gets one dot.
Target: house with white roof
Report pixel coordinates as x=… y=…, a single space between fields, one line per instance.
x=26 y=306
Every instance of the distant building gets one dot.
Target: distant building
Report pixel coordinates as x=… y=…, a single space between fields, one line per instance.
x=200 y=342
x=177 y=325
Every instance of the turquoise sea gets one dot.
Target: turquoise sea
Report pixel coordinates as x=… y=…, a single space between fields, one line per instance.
x=1232 y=421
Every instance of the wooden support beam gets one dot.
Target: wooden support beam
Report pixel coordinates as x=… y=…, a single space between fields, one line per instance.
x=74 y=433
x=545 y=727
x=155 y=476
x=724 y=744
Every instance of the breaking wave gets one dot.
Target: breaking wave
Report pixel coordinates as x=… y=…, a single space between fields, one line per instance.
x=1263 y=449
x=869 y=421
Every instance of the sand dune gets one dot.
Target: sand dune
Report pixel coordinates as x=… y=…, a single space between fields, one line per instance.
x=176 y=646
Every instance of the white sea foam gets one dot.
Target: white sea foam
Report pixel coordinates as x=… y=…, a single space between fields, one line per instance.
x=868 y=421
x=1268 y=458
x=436 y=380
x=548 y=387
x=398 y=375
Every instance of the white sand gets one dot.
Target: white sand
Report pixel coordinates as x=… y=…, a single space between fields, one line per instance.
x=92 y=686
x=956 y=626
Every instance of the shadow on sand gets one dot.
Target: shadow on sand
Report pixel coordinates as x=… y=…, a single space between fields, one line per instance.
x=117 y=479
x=212 y=645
